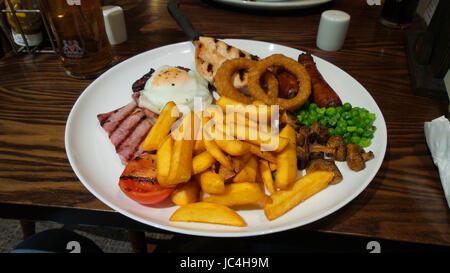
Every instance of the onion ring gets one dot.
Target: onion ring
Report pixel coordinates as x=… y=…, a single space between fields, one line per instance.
x=223 y=79
x=271 y=84
x=290 y=65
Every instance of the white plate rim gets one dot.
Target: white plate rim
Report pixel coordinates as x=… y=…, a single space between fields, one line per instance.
x=338 y=206
x=274 y=5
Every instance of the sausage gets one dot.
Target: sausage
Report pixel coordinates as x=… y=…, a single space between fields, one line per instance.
x=323 y=94
x=287 y=84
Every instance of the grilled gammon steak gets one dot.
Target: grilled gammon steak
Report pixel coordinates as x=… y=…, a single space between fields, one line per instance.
x=210 y=53
x=126 y=128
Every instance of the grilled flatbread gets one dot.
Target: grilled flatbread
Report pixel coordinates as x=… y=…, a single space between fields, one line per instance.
x=210 y=53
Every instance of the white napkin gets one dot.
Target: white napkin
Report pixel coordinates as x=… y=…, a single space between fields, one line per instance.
x=437 y=134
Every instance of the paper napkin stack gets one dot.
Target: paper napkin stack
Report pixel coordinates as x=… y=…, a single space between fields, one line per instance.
x=437 y=133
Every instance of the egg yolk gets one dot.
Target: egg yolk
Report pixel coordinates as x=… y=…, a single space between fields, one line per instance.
x=171 y=77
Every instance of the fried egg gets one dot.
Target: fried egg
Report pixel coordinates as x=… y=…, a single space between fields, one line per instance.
x=175 y=84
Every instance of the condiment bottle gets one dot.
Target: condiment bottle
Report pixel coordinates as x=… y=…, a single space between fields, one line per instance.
x=30 y=22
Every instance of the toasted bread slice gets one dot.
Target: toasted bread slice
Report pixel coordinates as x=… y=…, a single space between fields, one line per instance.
x=210 y=53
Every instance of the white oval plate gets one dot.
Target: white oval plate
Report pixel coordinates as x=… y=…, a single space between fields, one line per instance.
x=95 y=162
x=274 y=4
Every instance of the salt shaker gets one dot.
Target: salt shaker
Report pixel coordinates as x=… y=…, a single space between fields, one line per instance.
x=115 y=24
x=332 y=30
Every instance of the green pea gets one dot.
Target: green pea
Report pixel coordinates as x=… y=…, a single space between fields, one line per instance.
x=367 y=134
x=321 y=110
x=338 y=131
x=364 y=142
x=357 y=122
x=346 y=115
x=313 y=107
x=330 y=111
x=332 y=122
x=342 y=123
x=355 y=139
x=347 y=106
x=351 y=128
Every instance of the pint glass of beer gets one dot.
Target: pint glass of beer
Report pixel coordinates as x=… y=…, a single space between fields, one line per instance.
x=79 y=30
x=398 y=13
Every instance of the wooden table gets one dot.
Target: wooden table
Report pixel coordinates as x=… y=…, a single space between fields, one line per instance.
x=404 y=202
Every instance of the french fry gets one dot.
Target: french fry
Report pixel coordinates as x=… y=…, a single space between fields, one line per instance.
x=237 y=162
x=199 y=146
x=226 y=173
x=238 y=125
x=161 y=128
x=283 y=118
x=258 y=102
x=238 y=194
x=287 y=160
x=202 y=162
x=266 y=155
x=181 y=159
x=205 y=212
x=223 y=101
x=233 y=147
x=284 y=200
x=265 y=140
x=163 y=158
x=272 y=166
x=247 y=110
x=248 y=173
x=282 y=144
x=266 y=175
x=245 y=158
x=211 y=182
x=239 y=118
x=186 y=193
x=212 y=147
x=258 y=177
x=217 y=153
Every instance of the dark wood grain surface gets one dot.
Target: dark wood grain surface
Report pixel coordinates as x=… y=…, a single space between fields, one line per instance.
x=404 y=202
